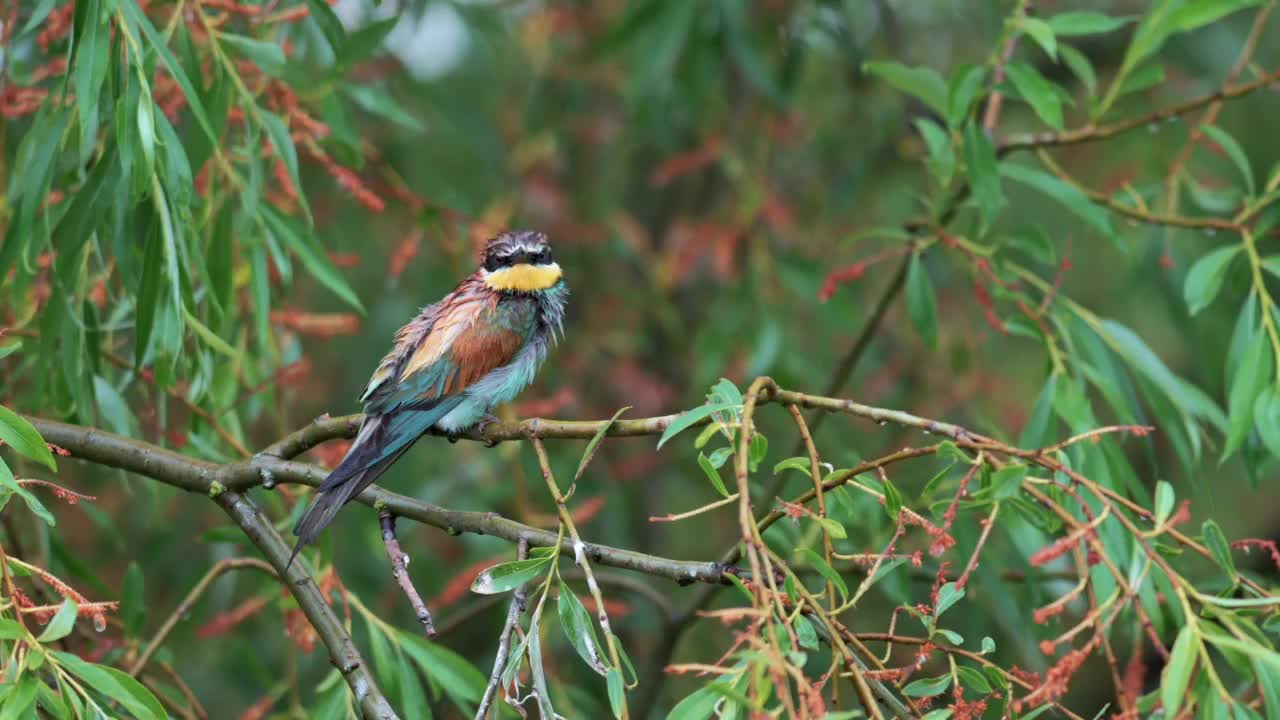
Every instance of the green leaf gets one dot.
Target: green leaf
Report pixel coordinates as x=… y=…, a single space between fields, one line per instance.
x=210 y=338
x=114 y=408
x=922 y=304
x=1042 y=32
x=1070 y=24
x=1205 y=277
x=988 y=645
x=892 y=500
x=1067 y=195
x=713 y=475
x=133 y=609
x=826 y=571
x=1233 y=151
x=973 y=679
x=699 y=705
x=1165 y=499
x=1195 y=15
x=794 y=463
x=1007 y=481
x=691 y=418
x=9 y=486
x=966 y=86
x=280 y=139
x=948 y=595
x=380 y=102
x=1266 y=418
x=115 y=685
x=578 y=627
x=330 y=25
x=1136 y=353
x=984 y=172
x=138 y=19
x=268 y=56
x=1080 y=67
x=1177 y=673
x=62 y=623
x=594 y=444
x=835 y=529
x=757 y=449
x=922 y=82
x=942 y=156
x=19 y=434
x=617 y=694
x=927 y=687
x=11 y=630
x=805 y=634
x=508 y=576
x=1251 y=378
x=313 y=256
x=457 y=676
x=1219 y=547
x=1038 y=92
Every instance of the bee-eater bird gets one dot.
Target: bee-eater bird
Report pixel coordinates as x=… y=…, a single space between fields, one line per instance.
x=478 y=347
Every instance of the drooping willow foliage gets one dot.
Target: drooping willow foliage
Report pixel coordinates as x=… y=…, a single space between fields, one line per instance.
x=954 y=329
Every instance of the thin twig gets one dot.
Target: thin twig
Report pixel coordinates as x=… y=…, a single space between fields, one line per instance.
x=400 y=569
x=504 y=640
x=189 y=602
x=580 y=558
x=1092 y=133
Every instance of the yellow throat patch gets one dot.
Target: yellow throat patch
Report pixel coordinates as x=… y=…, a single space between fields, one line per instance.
x=523 y=277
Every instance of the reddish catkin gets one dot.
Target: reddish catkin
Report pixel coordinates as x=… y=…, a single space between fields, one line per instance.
x=1049 y=553
x=1268 y=545
x=840 y=276
x=1044 y=614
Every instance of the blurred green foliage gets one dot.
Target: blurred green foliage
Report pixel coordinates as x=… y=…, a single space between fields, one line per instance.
x=216 y=214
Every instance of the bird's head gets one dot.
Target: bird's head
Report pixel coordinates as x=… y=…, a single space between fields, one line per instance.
x=519 y=261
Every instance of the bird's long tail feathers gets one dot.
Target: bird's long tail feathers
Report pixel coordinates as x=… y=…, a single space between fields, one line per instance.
x=373 y=451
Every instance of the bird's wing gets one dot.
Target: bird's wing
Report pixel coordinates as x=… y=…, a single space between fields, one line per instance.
x=463 y=344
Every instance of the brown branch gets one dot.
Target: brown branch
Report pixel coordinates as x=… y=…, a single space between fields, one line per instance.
x=343 y=653
x=203 y=477
x=189 y=602
x=1092 y=133
x=400 y=570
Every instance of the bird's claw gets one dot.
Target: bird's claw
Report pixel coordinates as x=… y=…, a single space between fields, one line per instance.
x=486 y=421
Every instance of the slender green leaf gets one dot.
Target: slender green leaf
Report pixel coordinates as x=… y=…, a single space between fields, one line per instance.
x=1084 y=22
x=19 y=434
x=922 y=303
x=508 y=576
x=922 y=82
x=1068 y=195
x=713 y=475
x=579 y=629
x=691 y=418
x=984 y=172
x=1219 y=547
x=1233 y=151
x=1205 y=277
x=826 y=571
x=268 y=56
x=927 y=687
x=1038 y=92
x=594 y=444
x=62 y=623
x=1177 y=673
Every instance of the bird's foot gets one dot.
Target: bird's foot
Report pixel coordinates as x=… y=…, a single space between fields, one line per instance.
x=486 y=421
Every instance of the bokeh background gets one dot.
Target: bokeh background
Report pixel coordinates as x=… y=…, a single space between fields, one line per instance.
x=701 y=169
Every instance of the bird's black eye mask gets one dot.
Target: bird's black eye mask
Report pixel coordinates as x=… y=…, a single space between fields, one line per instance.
x=493 y=261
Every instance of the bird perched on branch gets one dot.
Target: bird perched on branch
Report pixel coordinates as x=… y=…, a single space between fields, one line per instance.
x=478 y=347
